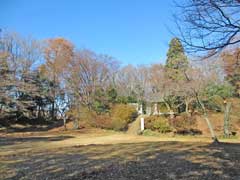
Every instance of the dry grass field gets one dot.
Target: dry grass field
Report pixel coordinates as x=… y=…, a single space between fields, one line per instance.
x=98 y=154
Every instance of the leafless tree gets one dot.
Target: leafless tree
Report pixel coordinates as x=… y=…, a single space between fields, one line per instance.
x=208 y=25
x=132 y=81
x=86 y=74
x=197 y=81
x=18 y=57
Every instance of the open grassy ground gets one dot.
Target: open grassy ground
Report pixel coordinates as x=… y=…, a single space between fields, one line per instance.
x=109 y=155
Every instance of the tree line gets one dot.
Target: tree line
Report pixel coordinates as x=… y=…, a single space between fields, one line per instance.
x=52 y=79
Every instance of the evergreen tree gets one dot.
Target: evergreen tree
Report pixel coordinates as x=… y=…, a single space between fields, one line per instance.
x=177 y=61
x=176 y=58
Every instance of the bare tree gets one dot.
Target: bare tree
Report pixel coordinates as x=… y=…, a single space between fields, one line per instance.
x=133 y=82
x=86 y=75
x=18 y=89
x=208 y=25
x=125 y=80
x=198 y=81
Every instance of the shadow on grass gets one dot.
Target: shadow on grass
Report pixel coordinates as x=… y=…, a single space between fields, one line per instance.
x=149 y=160
x=4 y=141
x=29 y=125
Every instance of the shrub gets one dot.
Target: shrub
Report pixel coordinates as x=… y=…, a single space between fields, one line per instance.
x=119 y=124
x=80 y=116
x=118 y=119
x=157 y=123
x=148 y=132
x=122 y=115
x=102 y=121
x=185 y=124
x=163 y=108
x=121 y=99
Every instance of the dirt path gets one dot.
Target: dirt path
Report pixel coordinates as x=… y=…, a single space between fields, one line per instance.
x=134 y=127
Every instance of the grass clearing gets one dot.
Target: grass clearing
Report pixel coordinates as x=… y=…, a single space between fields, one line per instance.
x=111 y=155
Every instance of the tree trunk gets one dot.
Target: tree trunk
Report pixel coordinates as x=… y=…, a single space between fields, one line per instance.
x=186 y=106
x=39 y=112
x=214 y=137
x=54 y=96
x=227 y=111
x=76 y=123
x=167 y=105
x=64 y=123
x=53 y=110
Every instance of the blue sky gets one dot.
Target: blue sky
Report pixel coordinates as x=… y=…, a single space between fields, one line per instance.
x=133 y=31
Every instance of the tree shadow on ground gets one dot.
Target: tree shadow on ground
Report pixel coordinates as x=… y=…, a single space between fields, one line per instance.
x=148 y=160
x=31 y=126
x=5 y=141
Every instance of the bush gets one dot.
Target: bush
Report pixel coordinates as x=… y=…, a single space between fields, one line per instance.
x=119 y=124
x=157 y=123
x=148 y=132
x=82 y=114
x=122 y=115
x=102 y=121
x=185 y=124
x=163 y=108
x=118 y=119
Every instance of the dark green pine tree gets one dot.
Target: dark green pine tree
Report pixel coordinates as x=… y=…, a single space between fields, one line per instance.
x=176 y=58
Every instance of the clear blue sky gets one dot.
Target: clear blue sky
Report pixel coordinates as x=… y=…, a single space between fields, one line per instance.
x=133 y=31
